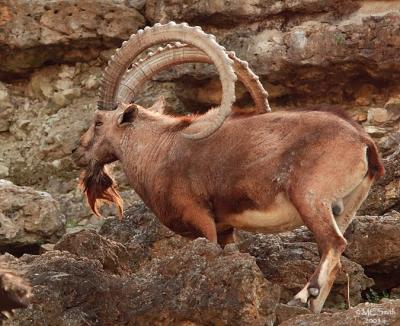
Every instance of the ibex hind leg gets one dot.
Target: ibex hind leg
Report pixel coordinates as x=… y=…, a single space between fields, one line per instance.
x=331 y=246
x=352 y=203
x=317 y=216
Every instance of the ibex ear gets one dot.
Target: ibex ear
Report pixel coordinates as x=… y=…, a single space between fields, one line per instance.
x=159 y=105
x=128 y=115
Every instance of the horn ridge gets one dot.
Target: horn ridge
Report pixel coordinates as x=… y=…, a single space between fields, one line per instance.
x=176 y=54
x=157 y=34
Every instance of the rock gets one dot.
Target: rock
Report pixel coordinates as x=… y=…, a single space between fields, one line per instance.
x=199 y=284
x=395 y=293
x=228 y=13
x=374 y=239
x=375 y=132
x=285 y=312
x=311 y=46
x=142 y=233
x=74 y=30
x=137 y=4
x=378 y=115
x=5 y=108
x=290 y=263
x=384 y=195
x=373 y=242
x=387 y=313
x=28 y=216
x=15 y=292
x=393 y=105
x=87 y=243
x=4 y=171
x=388 y=145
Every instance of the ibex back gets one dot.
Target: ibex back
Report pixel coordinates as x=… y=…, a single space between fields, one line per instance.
x=268 y=172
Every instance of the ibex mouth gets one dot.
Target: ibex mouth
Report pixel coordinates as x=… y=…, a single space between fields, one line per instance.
x=79 y=159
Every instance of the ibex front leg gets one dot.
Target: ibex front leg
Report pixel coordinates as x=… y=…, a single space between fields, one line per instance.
x=319 y=219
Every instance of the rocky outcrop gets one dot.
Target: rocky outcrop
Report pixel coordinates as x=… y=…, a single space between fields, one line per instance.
x=150 y=275
x=28 y=216
x=200 y=284
x=298 y=44
x=63 y=31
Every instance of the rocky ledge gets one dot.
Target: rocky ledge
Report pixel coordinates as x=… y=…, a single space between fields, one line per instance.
x=137 y=272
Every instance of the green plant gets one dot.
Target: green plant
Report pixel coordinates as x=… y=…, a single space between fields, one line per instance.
x=339 y=38
x=71 y=223
x=374 y=296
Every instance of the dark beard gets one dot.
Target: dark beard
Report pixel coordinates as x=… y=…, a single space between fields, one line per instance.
x=99 y=186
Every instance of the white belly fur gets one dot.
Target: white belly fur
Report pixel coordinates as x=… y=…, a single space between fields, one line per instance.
x=280 y=216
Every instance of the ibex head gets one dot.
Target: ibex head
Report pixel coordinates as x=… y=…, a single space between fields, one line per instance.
x=98 y=147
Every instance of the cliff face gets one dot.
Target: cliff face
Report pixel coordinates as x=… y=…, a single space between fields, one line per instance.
x=307 y=53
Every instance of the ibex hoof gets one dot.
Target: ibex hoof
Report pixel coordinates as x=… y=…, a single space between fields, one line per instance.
x=313 y=292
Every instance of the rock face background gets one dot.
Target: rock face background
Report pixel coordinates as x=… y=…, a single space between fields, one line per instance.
x=307 y=53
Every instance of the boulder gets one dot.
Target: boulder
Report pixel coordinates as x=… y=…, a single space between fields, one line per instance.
x=28 y=216
x=112 y=255
x=373 y=242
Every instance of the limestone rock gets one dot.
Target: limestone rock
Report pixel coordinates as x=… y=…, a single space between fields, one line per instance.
x=5 y=108
x=143 y=234
x=374 y=241
x=64 y=26
x=87 y=243
x=385 y=193
x=220 y=12
x=199 y=284
x=28 y=216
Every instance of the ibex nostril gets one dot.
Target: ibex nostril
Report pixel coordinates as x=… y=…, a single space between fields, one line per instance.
x=74 y=150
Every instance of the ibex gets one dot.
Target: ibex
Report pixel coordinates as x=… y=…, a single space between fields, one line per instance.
x=206 y=175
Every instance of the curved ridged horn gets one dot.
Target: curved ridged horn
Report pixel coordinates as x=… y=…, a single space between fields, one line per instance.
x=176 y=54
x=157 y=34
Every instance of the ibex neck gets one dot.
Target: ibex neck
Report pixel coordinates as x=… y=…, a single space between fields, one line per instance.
x=142 y=153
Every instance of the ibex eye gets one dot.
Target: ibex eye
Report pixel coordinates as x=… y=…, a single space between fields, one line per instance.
x=98 y=123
